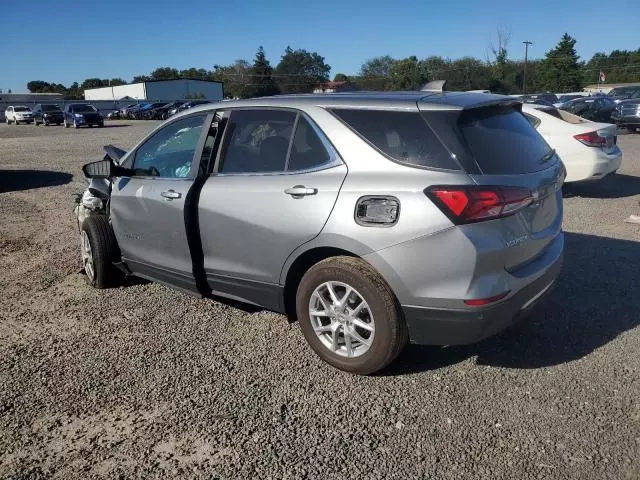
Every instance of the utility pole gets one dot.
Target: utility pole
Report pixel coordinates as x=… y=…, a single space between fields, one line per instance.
x=524 y=76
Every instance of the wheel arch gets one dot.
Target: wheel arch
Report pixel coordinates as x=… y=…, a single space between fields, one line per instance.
x=299 y=267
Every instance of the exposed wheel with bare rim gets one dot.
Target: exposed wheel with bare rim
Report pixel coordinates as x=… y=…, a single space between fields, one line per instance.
x=99 y=249
x=350 y=316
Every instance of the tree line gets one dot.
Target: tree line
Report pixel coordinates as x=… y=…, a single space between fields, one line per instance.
x=299 y=71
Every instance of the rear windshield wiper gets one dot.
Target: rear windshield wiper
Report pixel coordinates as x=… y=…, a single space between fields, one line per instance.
x=548 y=156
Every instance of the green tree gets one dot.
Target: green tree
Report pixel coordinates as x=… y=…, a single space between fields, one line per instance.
x=299 y=71
x=340 y=77
x=377 y=67
x=620 y=66
x=165 y=73
x=194 y=73
x=117 y=81
x=261 y=80
x=405 y=74
x=38 y=86
x=560 y=69
x=93 y=83
x=235 y=77
x=140 y=78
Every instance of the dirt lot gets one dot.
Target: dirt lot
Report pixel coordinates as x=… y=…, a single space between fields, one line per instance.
x=144 y=382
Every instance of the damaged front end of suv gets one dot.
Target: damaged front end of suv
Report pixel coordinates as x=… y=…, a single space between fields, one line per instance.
x=95 y=199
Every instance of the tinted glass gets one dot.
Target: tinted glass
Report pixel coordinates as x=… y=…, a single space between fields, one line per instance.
x=403 y=136
x=20 y=109
x=553 y=112
x=534 y=121
x=169 y=152
x=50 y=108
x=307 y=151
x=503 y=142
x=81 y=108
x=257 y=141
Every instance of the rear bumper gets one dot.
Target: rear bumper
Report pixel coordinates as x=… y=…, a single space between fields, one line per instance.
x=429 y=326
x=446 y=326
x=592 y=165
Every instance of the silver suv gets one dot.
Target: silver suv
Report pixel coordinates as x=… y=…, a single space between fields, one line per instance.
x=372 y=218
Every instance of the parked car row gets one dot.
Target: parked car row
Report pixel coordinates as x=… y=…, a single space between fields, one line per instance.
x=81 y=114
x=73 y=114
x=157 y=110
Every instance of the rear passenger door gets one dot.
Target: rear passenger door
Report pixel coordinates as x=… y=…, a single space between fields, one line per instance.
x=275 y=183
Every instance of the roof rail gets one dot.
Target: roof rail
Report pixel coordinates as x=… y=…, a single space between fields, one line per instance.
x=434 y=86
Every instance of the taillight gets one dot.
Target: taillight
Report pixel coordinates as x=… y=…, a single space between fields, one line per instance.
x=480 y=302
x=468 y=204
x=591 y=139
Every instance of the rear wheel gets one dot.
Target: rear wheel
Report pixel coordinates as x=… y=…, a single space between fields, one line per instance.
x=349 y=315
x=99 y=250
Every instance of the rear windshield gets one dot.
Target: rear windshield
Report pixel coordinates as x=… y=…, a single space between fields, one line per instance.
x=403 y=136
x=503 y=142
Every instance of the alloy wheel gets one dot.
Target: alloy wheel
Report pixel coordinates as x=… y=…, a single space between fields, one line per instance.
x=342 y=319
x=87 y=255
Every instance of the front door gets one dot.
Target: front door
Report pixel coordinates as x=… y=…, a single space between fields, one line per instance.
x=277 y=179
x=147 y=210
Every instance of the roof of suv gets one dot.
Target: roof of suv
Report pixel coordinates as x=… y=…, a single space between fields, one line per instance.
x=381 y=100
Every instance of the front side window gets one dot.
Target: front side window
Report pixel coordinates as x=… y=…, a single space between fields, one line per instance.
x=257 y=141
x=169 y=152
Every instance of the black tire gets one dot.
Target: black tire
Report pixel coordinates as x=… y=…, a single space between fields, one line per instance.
x=101 y=125
x=391 y=334
x=104 y=250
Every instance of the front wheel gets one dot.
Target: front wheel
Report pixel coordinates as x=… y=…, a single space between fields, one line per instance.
x=99 y=249
x=349 y=315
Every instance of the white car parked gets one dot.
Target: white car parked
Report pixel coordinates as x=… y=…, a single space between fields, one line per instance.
x=588 y=150
x=18 y=114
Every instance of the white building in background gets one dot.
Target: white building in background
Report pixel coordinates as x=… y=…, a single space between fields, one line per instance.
x=159 y=90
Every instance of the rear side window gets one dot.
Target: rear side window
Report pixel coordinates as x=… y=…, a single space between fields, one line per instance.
x=503 y=142
x=257 y=141
x=307 y=150
x=403 y=136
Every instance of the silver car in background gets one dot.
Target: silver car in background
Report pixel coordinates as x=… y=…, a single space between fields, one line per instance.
x=372 y=218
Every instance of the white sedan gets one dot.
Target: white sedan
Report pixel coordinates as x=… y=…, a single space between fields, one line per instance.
x=18 y=114
x=588 y=150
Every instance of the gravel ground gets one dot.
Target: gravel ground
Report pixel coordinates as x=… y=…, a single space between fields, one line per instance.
x=144 y=382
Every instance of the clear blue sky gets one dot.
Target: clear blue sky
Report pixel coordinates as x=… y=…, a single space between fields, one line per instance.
x=64 y=41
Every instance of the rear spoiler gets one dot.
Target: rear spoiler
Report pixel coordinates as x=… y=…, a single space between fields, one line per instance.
x=114 y=153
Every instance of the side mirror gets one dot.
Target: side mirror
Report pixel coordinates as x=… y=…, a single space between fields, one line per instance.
x=105 y=169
